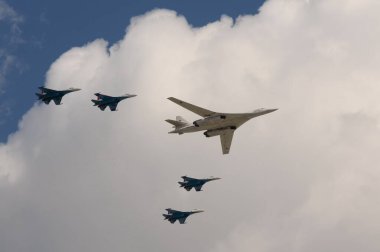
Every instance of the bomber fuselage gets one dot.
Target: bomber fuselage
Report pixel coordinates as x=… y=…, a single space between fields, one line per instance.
x=221 y=121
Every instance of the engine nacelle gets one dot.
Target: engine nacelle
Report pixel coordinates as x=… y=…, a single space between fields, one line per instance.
x=209 y=120
x=212 y=133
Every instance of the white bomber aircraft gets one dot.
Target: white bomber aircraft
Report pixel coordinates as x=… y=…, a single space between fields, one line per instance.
x=214 y=123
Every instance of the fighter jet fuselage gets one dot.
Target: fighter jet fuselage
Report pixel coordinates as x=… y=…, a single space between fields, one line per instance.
x=111 y=101
x=173 y=215
x=46 y=94
x=189 y=183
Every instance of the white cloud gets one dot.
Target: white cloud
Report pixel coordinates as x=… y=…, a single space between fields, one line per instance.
x=304 y=178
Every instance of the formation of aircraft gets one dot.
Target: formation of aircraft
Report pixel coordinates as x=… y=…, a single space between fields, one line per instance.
x=213 y=123
x=111 y=101
x=173 y=215
x=102 y=101
x=189 y=183
x=46 y=94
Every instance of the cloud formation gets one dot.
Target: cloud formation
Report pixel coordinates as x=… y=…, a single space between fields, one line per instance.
x=304 y=178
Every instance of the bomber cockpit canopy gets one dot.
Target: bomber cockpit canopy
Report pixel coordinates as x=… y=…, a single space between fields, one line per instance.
x=259 y=109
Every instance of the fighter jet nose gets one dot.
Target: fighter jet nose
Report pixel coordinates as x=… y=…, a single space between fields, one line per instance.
x=213 y=178
x=198 y=211
x=127 y=96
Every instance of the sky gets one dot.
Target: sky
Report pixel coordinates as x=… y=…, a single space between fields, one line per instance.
x=35 y=33
x=304 y=178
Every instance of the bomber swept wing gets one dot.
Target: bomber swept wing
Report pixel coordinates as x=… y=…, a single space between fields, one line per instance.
x=195 y=109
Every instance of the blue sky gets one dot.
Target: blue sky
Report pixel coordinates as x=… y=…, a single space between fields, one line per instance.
x=49 y=28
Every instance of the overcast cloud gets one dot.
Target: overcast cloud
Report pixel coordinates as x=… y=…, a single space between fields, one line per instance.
x=304 y=178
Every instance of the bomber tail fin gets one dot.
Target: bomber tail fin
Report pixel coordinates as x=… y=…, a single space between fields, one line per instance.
x=178 y=123
x=182 y=120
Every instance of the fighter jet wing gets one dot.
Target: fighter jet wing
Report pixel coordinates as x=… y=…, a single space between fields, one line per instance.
x=226 y=140
x=172 y=221
x=44 y=89
x=57 y=100
x=195 y=109
x=182 y=220
x=47 y=101
x=113 y=106
x=171 y=211
x=185 y=178
x=102 y=107
x=102 y=96
x=198 y=188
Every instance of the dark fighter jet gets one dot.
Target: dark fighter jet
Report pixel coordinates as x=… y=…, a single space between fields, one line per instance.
x=46 y=94
x=174 y=215
x=189 y=183
x=104 y=100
